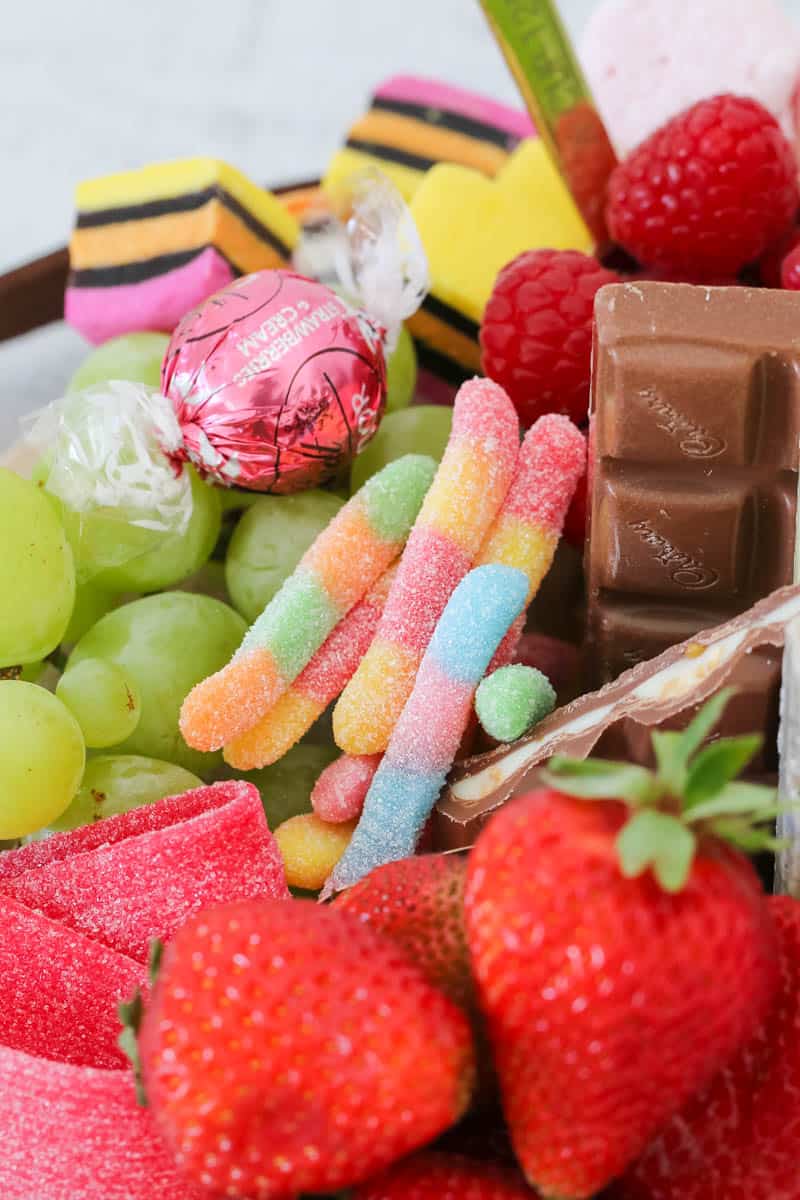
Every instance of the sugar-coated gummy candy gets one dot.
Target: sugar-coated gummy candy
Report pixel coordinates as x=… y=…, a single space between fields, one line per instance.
x=458 y=511
x=340 y=566
x=311 y=848
x=512 y=700
x=341 y=789
x=427 y=736
x=320 y=682
x=140 y=875
x=78 y=1133
x=59 y=989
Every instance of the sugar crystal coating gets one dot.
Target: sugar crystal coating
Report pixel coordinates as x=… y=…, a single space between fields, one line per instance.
x=512 y=700
x=139 y=875
x=315 y=687
x=427 y=735
x=464 y=498
x=347 y=557
x=340 y=791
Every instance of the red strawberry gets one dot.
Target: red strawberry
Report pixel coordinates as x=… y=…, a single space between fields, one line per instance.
x=623 y=952
x=434 y=1176
x=708 y=192
x=419 y=903
x=536 y=333
x=289 y=1048
x=740 y=1138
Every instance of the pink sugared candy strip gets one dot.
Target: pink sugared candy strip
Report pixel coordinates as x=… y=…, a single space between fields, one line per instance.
x=138 y=876
x=159 y=303
x=526 y=533
x=59 y=990
x=469 y=488
x=316 y=686
x=339 y=793
x=77 y=1133
x=425 y=740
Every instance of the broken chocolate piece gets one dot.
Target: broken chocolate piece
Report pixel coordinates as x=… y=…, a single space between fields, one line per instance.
x=695 y=435
x=649 y=694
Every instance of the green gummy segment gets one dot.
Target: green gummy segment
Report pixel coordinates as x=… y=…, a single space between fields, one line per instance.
x=512 y=700
x=392 y=498
x=294 y=624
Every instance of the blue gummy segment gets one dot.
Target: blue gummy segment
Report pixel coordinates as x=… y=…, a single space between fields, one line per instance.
x=399 y=801
x=397 y=806
x=476 y=619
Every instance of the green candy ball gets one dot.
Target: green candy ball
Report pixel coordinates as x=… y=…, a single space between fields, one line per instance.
x=512 y=700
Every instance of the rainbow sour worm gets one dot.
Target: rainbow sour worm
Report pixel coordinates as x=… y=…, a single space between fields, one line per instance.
x=426 y=737
x=346 y=559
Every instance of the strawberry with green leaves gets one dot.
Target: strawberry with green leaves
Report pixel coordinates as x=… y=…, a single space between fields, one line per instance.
x=290 y=1049
x=622 y=946
x=739 y=1139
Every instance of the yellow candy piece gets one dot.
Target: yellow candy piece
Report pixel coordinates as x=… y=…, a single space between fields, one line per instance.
x=171 y=207
x=471 y=226
x=311 y=849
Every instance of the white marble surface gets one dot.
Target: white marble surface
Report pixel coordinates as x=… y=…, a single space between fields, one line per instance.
x=90 y=86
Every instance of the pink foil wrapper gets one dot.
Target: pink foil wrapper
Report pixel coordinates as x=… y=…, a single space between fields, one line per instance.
x=276 y=382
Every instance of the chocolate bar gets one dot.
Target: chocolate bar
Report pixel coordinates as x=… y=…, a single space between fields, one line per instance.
x=650 y=694
x=695 y=430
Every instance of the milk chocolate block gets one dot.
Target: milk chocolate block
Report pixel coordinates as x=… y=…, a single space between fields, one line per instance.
x=695 y=427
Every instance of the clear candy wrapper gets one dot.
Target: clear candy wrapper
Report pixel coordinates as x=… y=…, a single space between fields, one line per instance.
x=104 y=457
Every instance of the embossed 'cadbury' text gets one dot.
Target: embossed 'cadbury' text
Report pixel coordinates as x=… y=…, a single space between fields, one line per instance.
x=686 y=571
x=693 y=439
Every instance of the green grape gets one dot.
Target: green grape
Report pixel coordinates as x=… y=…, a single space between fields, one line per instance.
x=134 y=356
x=165 y=644
x=145 y=559
x=116 y=783
x=91 y=603
x=286 y=785
x=268 y=543
x=37 y=572
x=102 y=699
x=401 y=373
x=423 y=429
x=41 y=758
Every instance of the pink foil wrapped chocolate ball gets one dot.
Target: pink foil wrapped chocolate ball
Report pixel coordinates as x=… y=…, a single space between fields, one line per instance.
x=276 y=382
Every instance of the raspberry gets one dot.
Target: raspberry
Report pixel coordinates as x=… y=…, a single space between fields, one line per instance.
x=536 y=335
x=708 y=192
x=790 y=270
x=771 y=261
